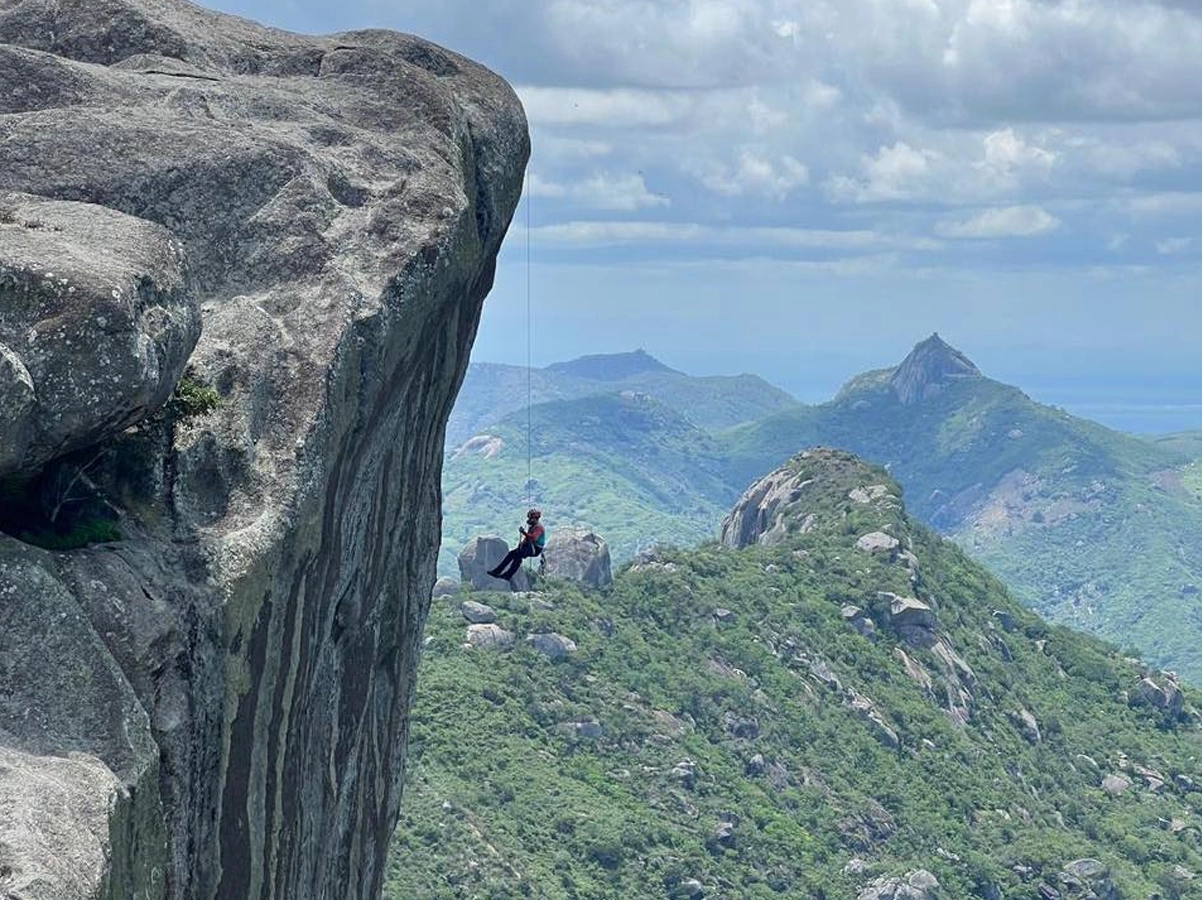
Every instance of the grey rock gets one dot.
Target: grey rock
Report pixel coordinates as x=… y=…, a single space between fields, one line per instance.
x=739 y=726
x=551 y=645
x=1028 y=726
x=1115 y=785
x=722 y=837
x=1166 y=696
x=340 y=202
x=1004 y=619
x=478 y=613
x=96 y=323
x=685 y=772
x=591 y=731
x=689 y=889
x=489 y=637
x=482 y=554
x=755 y=766
x=1088 y=879
x=878 y=542
x=768 y=511
x=722 y=614
x=578 y=554
x=917 y=885
x=931 y=365
x=445 y=587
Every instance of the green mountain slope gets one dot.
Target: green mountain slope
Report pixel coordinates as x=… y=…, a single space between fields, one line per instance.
x=1090 y=526
x=491 y=391
x=623 y=459
x=727 y=729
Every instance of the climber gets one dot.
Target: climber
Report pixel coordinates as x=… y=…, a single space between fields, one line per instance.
x=531 y=544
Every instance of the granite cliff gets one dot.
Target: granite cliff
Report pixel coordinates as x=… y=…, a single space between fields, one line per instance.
x=216 y=705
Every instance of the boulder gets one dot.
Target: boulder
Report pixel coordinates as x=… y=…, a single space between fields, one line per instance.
x=98 y=320
x=332 y=208
x=1115 y=785
x=1166 y=697
x=1028 y=726
x=917 y=885
x=489 y=637
x=912 y=619
x=445 y=587
x=688 y=889
x=551 y=645
x=878 y=542
x=578 y=554
x=1088 y=879
x=478 y=613
x=479 y=556
x=722 y=837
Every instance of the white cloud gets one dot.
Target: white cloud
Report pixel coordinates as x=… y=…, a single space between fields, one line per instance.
x=754 y=175
x=613 y=108
x=1174 y=246
x=899 y=172
x=601 y=191
x=1167 y=203
x=1009 y=221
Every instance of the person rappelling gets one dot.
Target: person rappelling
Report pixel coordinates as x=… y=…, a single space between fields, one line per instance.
x=534 y=538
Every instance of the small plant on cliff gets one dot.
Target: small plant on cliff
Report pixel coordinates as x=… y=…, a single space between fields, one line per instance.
x=192 y=398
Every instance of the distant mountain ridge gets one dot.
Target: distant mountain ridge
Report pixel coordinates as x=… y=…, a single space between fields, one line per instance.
x=493 y=390
x=611 y=366
x=1090 y=526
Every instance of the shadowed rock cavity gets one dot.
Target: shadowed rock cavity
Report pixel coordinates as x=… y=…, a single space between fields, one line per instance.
x=220 y=699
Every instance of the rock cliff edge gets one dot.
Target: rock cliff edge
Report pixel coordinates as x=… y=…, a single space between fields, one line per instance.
x=215 y=705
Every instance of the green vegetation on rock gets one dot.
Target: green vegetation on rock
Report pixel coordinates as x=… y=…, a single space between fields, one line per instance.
x=731 y=717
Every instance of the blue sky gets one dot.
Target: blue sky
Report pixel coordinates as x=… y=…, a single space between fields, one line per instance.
x=804 y=188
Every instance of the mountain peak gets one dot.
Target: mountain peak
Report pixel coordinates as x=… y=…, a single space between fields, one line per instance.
x=930 y=365
x=610 y=366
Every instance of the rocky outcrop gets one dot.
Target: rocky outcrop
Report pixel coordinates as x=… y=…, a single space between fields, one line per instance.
x=551 y=645
x=767 y=510
x=480 y=556
x=1088 y=879
x=578 y=554
x=1165 y=696
x=217 y=704
x=918 y=885
x=931 y=365
x=96 y=324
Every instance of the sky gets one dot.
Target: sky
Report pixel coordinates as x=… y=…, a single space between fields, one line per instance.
x=805 y=188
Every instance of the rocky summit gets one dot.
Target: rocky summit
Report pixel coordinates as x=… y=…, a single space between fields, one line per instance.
x=240 y=274
x=929 y=366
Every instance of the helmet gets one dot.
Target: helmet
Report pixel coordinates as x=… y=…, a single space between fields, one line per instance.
x=534 y=514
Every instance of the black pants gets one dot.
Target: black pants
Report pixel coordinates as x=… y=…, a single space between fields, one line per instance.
x=508 y=567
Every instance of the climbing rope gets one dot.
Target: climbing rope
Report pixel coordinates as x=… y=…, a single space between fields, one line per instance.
x=529 y=364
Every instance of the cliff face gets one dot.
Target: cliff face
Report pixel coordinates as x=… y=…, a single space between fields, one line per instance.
x=216 y=704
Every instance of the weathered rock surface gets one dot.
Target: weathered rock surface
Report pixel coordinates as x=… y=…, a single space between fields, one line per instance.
x=479 y=556
x=551 y=645
x=930 y=366
x=767 y=510
x=918 y=885
x=241 y=664
x=445 y=587
x=478 y=613
x=96 y=323
x=489 y=637
x=1088 y=879
x=578 y=554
